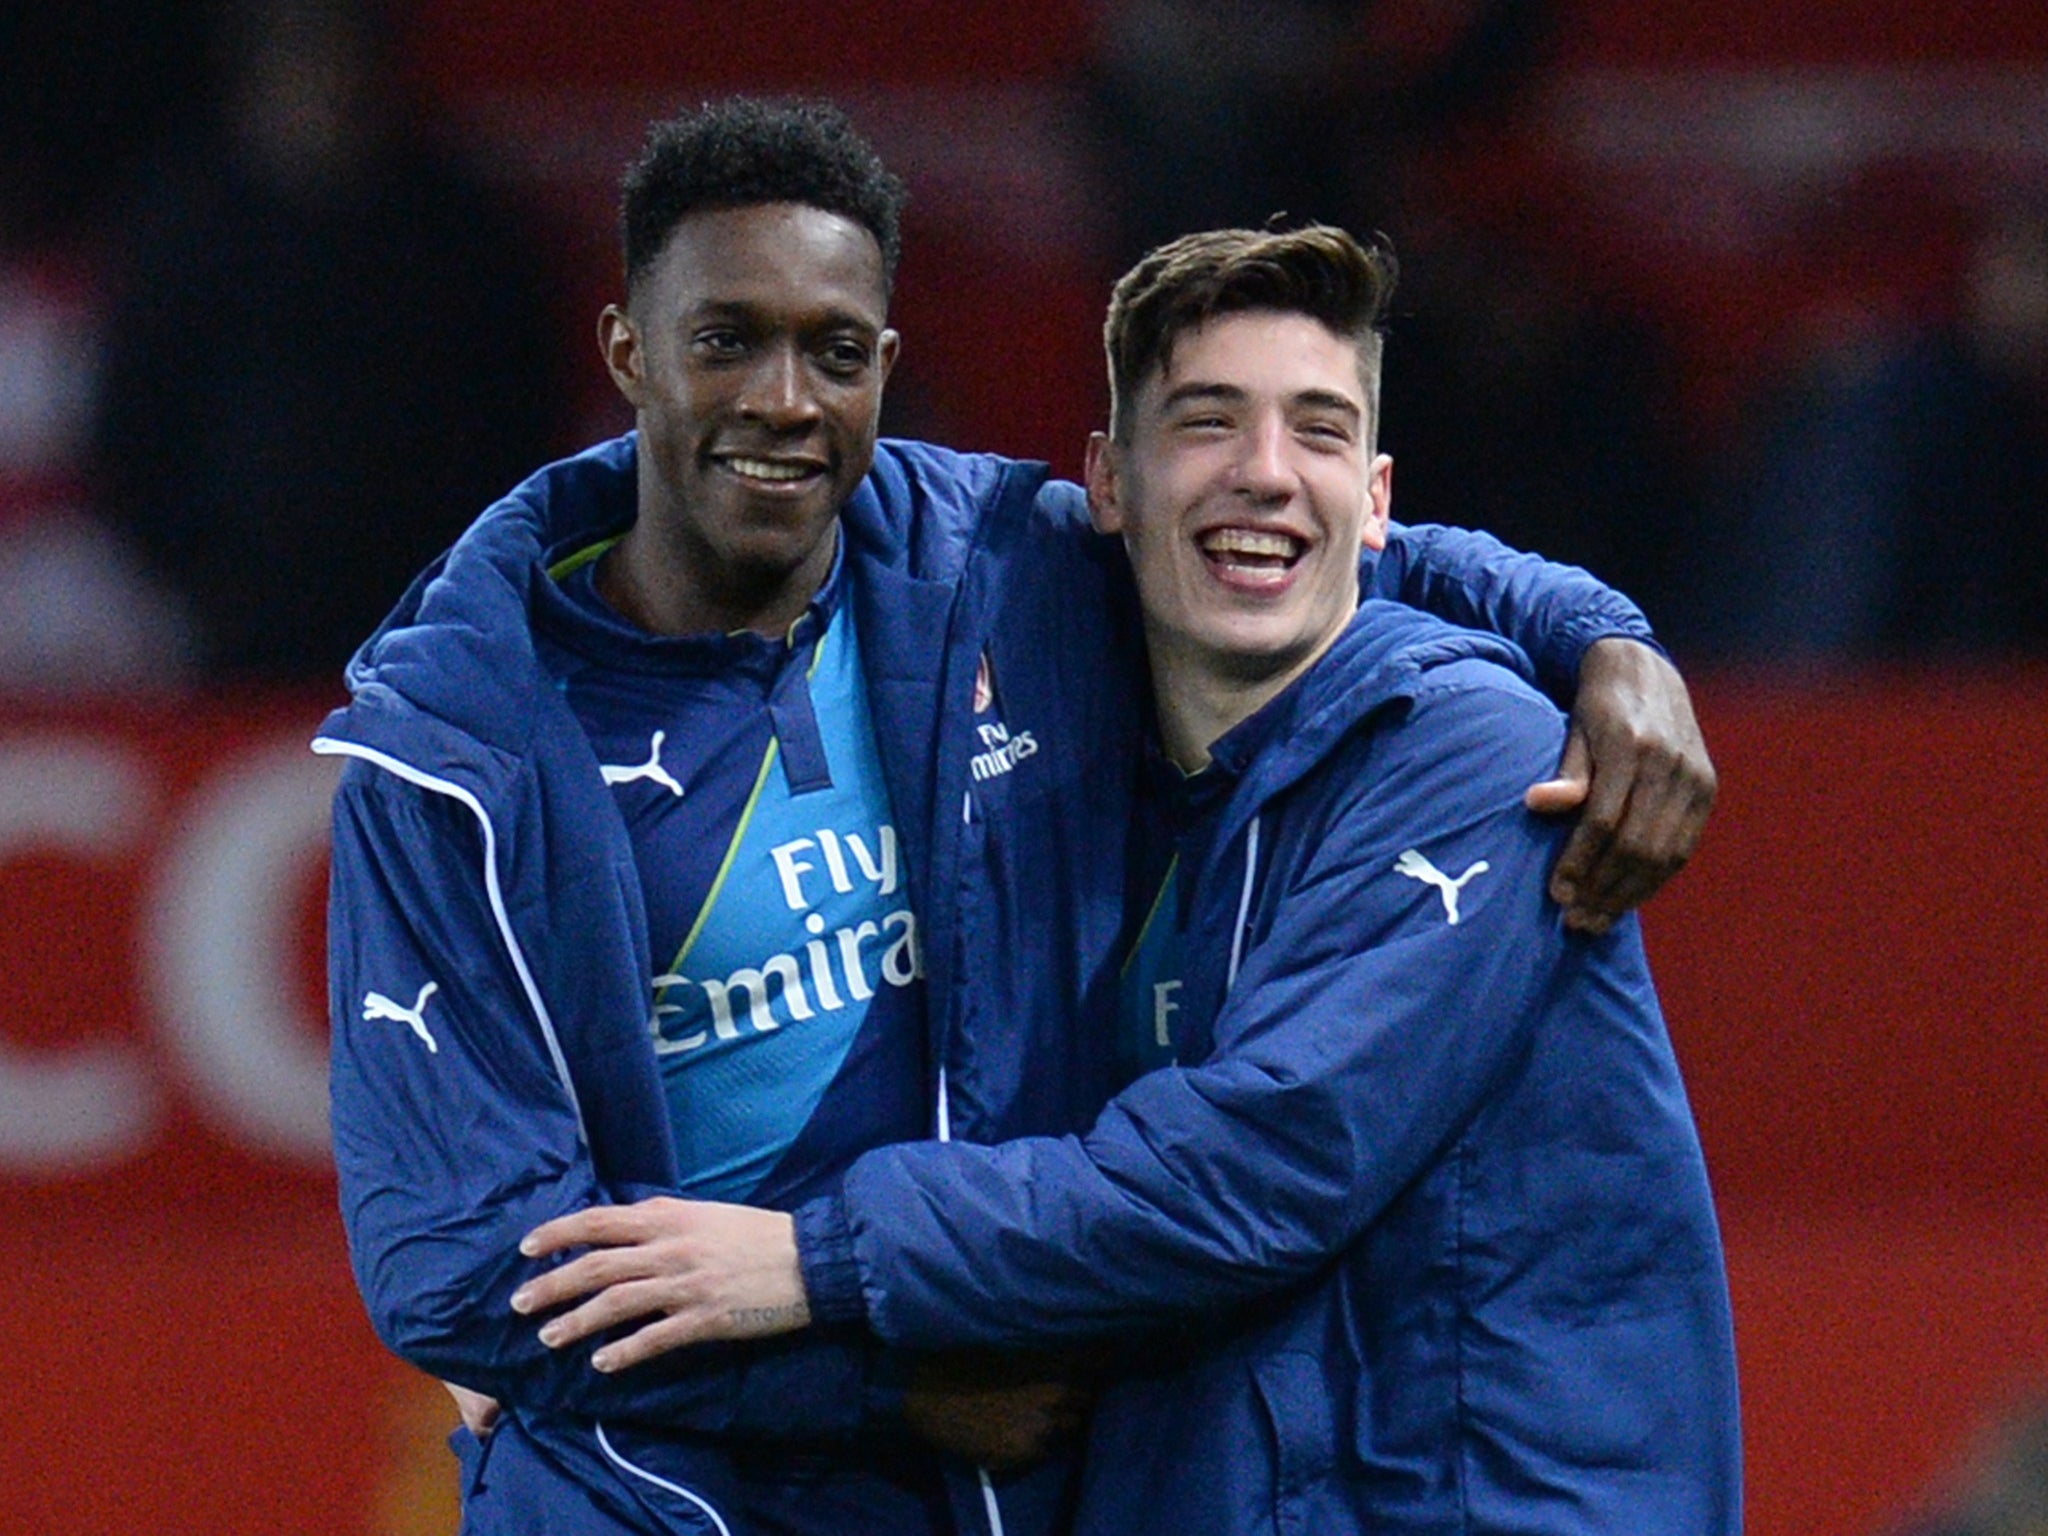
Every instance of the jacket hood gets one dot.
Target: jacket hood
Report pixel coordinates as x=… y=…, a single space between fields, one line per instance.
x=463 y=619
x=458 y=647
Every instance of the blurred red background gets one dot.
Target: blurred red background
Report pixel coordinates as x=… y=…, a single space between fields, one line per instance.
x=1852 y=968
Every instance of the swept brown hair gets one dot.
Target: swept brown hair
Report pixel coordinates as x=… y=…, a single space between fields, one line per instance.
x=1317 y=270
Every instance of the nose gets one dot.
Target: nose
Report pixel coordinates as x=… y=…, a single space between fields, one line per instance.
x=778 y=391
x=1265 y=468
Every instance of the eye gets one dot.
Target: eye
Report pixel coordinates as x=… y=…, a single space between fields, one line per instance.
x=846 y=357
x=718 y=343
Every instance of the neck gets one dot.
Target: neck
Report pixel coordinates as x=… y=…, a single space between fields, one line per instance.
x=670 y=587
x=1200 y=701
x=1202 y=692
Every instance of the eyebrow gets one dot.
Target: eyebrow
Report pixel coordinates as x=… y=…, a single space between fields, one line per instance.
x=832 y=319
x=1230 y=394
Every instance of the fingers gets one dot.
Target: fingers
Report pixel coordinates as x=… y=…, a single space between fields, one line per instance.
x=1652 y=787
x=1582 y=868
x=620 y=1276
x=683 y=1309
x=593 y=1227
x=593 y=1271
x=479 y=1413
x=686 y=1271
x=1623 y=804
x=695 y=1326
x=1621 y=856
x=641 y=1274
x=619 y=1302
x=1567 y=791
x=1666 y=815
x=1556 y=797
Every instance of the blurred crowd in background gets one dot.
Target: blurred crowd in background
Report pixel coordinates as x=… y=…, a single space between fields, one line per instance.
x=2000 y=1488
x=265 y=344
x=270 y=334
x=279 y=316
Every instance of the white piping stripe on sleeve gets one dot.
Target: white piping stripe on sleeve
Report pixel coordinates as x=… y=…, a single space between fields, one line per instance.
x=328 y=746
x=605 y=1444
x=989 y=1503
x=1244 y=900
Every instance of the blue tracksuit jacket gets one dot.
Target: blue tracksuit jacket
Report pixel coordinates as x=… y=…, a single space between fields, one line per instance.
x=477 y=849
x=1423 y=1191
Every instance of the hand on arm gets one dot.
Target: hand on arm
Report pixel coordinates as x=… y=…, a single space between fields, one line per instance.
x=1634 y=759
x=702 y=1271
x=479 y=1413
x=1363 y=1029
x=434 y=1226
x=1636 y=767
x=697 y=1270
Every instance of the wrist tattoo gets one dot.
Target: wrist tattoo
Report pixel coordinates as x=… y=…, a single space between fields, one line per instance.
x=795 y=1315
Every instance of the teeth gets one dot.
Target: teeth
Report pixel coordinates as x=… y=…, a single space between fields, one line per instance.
x=1250 y=541
x=767 y=469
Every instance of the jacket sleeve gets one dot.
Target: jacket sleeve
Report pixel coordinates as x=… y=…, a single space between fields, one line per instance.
x=455 y=1134
x=1553 y=612
x=1363 y=1032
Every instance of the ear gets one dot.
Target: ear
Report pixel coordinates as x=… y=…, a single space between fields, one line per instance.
x=1372 y=534
x=887 y=346
x=618 y=339
x=1104 y=474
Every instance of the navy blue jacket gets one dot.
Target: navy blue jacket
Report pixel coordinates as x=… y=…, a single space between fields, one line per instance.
x=477 y=849
x=1423 y=1193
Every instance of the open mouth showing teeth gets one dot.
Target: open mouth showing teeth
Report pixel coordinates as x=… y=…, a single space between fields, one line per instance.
x=1254 y=549
x=769 y=469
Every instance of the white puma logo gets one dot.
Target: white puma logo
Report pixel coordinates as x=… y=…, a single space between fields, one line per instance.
x=377 y=1006
x=651 y=769
x=1416 y=867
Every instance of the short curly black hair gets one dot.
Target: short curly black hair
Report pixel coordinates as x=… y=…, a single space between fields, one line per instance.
x=747 y=150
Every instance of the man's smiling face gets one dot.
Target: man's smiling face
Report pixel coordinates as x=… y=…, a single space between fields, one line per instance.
x=753 y=351
x=1246 y=492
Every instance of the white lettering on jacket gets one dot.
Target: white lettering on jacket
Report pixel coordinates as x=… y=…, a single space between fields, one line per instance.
x=832 y=970
x=1003 y=751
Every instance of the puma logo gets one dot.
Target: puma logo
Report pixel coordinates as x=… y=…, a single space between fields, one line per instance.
x=651 y=769
x=1416 y=867
x=377 y=1006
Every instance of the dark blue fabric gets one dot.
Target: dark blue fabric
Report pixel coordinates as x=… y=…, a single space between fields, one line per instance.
x=1419 y=1229
x=764 y=1117
x=1024 y=958
x=704 y=692
x=541 y=1096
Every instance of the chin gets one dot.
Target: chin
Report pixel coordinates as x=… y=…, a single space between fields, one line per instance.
x=1254 y=659
x=774 y=562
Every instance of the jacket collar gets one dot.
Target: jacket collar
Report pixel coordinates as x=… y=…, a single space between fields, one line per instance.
x=458 y=648
x=1376 y=665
